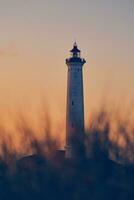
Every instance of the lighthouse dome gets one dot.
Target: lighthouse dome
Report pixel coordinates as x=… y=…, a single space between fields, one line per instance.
x=75 y=49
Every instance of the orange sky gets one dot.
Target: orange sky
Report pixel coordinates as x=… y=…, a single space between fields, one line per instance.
x=35 y=40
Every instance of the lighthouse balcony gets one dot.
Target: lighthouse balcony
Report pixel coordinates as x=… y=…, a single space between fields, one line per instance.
x=75 y=59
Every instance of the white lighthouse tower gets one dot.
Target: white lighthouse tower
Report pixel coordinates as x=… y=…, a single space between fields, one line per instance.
x=75 y=105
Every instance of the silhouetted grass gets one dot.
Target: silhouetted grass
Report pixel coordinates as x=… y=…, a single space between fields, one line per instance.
x=34 y=169
x=110 y=136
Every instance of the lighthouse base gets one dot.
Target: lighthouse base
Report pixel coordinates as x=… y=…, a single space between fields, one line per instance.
x=75 y=153
x=69 y=153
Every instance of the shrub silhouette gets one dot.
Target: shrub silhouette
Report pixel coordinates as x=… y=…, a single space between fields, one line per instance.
x=44 y=173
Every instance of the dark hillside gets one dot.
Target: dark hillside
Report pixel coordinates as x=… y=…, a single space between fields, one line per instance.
x=38 y=178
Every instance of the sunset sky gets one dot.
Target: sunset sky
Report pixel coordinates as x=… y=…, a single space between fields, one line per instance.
x=35 y=39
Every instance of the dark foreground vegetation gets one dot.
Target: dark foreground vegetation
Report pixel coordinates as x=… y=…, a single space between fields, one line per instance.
x=34 y=177
x=107 y=173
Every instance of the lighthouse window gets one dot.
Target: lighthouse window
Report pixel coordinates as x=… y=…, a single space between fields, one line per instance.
x=72 y=103
x=78 y=70
x=72 y=125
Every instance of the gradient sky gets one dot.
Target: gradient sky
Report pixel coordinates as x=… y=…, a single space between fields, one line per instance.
x=35 y=39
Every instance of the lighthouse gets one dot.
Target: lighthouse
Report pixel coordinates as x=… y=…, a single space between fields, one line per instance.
x=75 y=105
